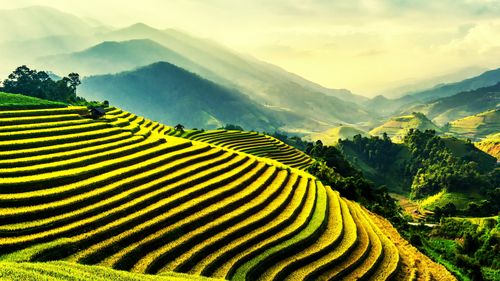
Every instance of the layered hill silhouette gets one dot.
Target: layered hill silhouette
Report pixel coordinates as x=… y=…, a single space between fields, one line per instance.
x=264 y=83
x=463 y=104
x=443 y=99
x=488 y=78
x=172 y=95
x=113 y=57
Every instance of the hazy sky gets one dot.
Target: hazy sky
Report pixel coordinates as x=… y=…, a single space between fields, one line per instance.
x=363 y=45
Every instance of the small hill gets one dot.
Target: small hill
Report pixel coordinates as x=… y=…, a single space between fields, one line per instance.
x=172 y=95
x=16 y=101
x=397 y=127
x=442 y=165
x=476 y=127
x=461 y=105
x=468 y=151
x=331 y=136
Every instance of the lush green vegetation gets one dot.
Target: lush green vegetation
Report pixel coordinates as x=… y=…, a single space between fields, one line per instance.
x=333 y=169
x=39 y=84
x=17 y=101
x=468 y=247
x=425 y=165
x=448 y=173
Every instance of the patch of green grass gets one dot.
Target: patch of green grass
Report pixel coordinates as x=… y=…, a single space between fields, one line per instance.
x=490 y=273
x=440 y=250
x=26 y=255
x=71 y=271
x=17 y=101
x=459 y=199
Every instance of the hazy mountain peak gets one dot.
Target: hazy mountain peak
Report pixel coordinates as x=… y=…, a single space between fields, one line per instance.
x=139 y=28
x=112 y=45
x=39 y=21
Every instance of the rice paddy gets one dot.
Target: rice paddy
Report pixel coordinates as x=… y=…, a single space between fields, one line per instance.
x=81 y=197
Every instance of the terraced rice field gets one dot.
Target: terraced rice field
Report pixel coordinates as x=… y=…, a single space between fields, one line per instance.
x=476 y=127
x=251 y=143
x=117 y=192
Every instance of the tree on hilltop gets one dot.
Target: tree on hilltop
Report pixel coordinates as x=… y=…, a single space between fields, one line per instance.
x=30 y=82
x=179 y=127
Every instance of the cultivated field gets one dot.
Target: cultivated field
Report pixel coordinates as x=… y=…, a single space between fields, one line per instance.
x=117 y=192
x=251 y=143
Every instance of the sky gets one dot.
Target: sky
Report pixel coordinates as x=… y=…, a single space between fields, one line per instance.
x=366 y=46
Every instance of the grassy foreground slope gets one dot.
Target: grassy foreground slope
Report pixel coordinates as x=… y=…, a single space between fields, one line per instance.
x=16 y=101
x=117 y=192
x=60 y=270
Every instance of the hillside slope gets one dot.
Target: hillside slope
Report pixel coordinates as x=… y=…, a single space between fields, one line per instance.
x=171 y=95
x=16 y=101
x=116 y=192
x=476 y=127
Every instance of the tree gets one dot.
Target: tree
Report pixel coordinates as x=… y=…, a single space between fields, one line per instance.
x=179 y=127
x=30 y=82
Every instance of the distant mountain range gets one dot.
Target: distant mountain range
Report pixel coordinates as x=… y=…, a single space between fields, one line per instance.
x=67 y=43
x=113 y=57
x=463 y=104
x=172 y=95
x=102 y=50
x=417 y=101
x=486 y=79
